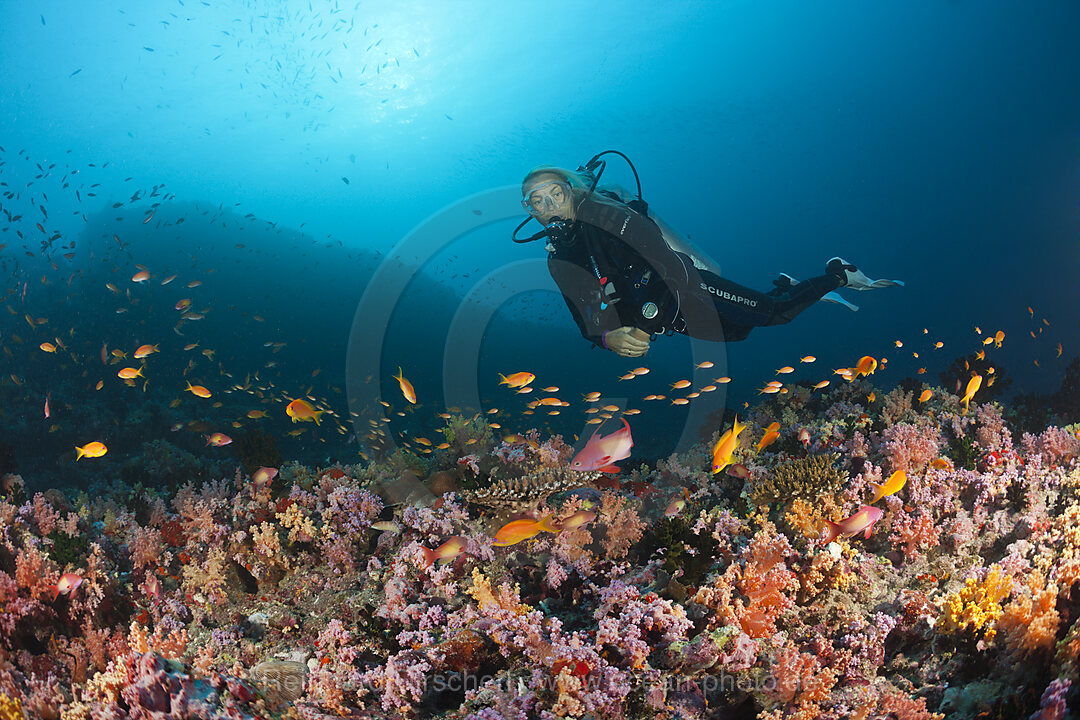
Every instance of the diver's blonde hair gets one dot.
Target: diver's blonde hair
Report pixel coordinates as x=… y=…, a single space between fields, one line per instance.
x=579 y=182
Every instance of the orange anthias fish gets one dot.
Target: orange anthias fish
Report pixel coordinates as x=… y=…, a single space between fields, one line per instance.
x=863 y=520
x=406 y=386
x=866 y=366
x=725 y=446
x=92 y=450
x=218 y=439
x=517 y=380
x=141 y=276
x=129 y=373
x=925 y=395
x=445 y=552
x=602 y=451
x=517 y=530
x=198 y=390
x=941 y=463
x=145 y=350
x=300 y=410
x=891 y=486
x=768 y=439
x=972 y=387
x=804 y=437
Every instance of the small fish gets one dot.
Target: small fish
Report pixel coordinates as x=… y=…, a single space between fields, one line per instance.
x=785 y=370
x=264 y=476
x=807 y=359
x=602 y=451
x=804 y=437
x=218 y=439
x=725 y=446
x=91 y=450
x=300 y=410
x=386 y=526
x=938 y=345
x=891 y=486
x=677 y=505
x=707 y=364
x=579 y=518
x=969 y=392
x=47 y=411
x=518 y=379
x=866 y=366
x=822 y=384
x=406 y=386
x=768 y=439
x=739 y=471
x=197 y=390
x=66 y=585
x=141 y=276
x=862 y=521
x=871 y=397
x=680 y=384
x=518 y=530
x=445 y=552
x=925 y=395
x=941 y=463
x=168 y=280
x=145 y=350
x=47 y=347
x=722 y=380
x=999 y=336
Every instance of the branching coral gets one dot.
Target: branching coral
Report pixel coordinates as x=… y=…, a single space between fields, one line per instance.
x=807 y=478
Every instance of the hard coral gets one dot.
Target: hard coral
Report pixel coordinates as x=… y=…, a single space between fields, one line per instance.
x=807 y=478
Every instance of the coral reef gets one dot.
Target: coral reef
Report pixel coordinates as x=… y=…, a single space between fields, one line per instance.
x=660 y=592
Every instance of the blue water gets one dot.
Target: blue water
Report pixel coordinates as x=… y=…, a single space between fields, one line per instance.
x=935 y=143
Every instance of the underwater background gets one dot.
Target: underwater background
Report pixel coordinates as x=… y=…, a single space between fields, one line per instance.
x=291 y=203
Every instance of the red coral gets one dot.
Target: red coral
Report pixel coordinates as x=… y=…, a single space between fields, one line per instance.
x=172 y=532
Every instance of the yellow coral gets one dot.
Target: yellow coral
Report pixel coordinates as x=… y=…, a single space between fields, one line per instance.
x=506 y=598
x=976 y=606
x=298 y=524
x=10 y=709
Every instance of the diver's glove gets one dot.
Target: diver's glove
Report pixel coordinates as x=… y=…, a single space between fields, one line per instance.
x=853 y=278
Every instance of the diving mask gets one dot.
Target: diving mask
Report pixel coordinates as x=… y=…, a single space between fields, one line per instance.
x=546 y=198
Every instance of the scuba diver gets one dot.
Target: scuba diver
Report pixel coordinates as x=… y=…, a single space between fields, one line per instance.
x=626 y=277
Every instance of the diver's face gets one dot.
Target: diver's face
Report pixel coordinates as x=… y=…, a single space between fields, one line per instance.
x=546 y=197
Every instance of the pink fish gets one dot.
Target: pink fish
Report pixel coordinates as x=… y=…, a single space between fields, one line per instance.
x=47 y=411
x=447 y=551
x=738 y=471
x=600 y=452
x=66 y=584
x=864 y=519
x=218 y=439
x=804 y=437
x=153 y=587
x=264 y=476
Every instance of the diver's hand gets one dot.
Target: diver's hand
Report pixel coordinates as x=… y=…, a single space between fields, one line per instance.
x=627 y=341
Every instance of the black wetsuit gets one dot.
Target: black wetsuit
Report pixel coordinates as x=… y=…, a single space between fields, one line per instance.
x=615 y=269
